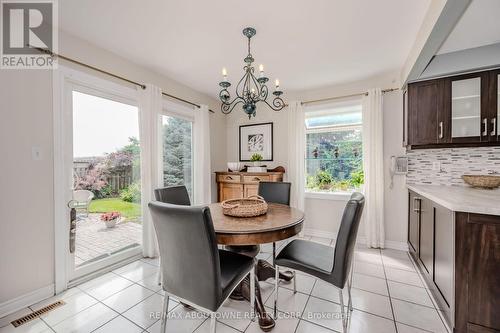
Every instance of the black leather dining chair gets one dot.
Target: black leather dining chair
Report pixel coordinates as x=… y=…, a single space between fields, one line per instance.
x=277 y=192
x=175 y=195
x=193 y=269
x=323 y=262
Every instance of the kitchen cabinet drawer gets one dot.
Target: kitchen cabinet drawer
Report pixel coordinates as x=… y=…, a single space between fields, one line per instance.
x=255 y=179
x=229 y=178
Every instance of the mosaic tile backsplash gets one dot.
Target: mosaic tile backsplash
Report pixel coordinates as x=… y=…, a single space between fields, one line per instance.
x=454 y=162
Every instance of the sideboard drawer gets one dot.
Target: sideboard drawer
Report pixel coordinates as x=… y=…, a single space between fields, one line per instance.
x=229 y=178
x=255 y=179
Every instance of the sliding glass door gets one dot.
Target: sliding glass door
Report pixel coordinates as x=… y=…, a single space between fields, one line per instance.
x=176 y=138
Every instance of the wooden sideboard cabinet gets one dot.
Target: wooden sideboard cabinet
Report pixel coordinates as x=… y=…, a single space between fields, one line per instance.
x=235 y=185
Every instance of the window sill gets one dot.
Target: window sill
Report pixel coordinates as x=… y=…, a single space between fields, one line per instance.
x=338 y=196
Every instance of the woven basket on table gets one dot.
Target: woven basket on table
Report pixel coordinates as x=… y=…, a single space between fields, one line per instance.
x=245 y=207
x=482 y=181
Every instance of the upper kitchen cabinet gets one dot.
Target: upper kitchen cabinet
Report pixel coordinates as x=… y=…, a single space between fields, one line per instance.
x=426 y=117
x=468 y=107
x=494 y=93
x=454 y=111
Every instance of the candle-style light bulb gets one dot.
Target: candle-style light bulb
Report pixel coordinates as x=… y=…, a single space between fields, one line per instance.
x=261 y=69
x=224 y=74
x=277 y=84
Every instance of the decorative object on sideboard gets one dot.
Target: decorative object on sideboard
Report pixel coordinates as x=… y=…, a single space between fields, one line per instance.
x=254 y=205
x=256 y=164
x=482 y=181
x=235 y=166
x=250 y=90
x=256 y=139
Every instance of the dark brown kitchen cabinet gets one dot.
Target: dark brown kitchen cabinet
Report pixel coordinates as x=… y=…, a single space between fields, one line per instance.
x=426 y=117
x=477 y=273
x=443 y=253
x=458 y=255
x=494 y=100
x=456 y=111
x=413 y=222
x=426 y=249
x=467 y=105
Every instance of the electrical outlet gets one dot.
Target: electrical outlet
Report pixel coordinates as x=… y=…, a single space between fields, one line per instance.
x=436 y=166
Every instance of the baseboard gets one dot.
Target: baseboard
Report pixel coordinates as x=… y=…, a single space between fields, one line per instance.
x=26 y=300
x=395 y=245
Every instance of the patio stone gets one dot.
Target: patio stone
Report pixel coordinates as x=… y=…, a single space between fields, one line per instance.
x=93 y=239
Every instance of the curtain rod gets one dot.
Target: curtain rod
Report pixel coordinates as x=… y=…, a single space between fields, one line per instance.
x=346 y=96
x=143 y=86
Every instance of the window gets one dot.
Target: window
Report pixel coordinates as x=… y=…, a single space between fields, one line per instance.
x=176 y=138
x=334 y=161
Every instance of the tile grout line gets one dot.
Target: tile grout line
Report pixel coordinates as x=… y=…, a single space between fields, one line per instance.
x=434 y=303
x=389 y=292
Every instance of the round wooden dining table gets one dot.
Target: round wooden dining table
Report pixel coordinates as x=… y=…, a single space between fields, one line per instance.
x=280 y=222
x=245 y=234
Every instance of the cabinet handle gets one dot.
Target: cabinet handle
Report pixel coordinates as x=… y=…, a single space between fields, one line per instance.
x=485 y=123
x=494 y=124
x=441 y=133
x=415 y=199
x=229 y=177
x=256 y=178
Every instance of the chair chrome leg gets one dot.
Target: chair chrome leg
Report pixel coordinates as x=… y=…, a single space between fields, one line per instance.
x=295 y=282
x=342 y=311
x=349 y=284
x=164 y=314
x=274 y=253
x=276 y=282
x=252 y=293
x=213 y=322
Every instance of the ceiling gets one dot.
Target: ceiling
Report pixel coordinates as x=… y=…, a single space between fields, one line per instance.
x=478 y=26
x=306 y=44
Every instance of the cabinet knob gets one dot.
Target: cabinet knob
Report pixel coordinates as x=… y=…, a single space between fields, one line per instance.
x=485 y=124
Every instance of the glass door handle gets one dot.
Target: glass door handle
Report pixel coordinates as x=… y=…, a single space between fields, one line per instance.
x=494 y=124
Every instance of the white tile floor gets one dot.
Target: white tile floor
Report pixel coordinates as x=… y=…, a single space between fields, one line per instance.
x=388 y=296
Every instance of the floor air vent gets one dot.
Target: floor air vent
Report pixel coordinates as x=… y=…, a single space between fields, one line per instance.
x=36 y=314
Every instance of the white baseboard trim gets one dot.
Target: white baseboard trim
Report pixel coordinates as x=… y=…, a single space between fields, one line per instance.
x=389 y=244
x=26 y=300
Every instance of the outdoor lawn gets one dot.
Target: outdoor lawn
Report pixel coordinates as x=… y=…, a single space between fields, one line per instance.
x=128 y=210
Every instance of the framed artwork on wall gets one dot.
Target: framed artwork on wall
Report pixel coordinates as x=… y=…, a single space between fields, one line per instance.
x=256 y=139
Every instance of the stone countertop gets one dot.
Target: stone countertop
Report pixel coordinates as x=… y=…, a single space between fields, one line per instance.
x=461 y=198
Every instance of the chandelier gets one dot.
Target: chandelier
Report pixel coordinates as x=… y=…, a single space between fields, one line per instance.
x=250 y=89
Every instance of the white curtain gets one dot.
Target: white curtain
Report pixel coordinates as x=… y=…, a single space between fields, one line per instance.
x=296 y=154
x=202 y=168
x=150 y=105
x=373 y=162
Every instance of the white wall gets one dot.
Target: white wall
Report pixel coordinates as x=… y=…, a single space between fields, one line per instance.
x=323 y=216
x=26 y=202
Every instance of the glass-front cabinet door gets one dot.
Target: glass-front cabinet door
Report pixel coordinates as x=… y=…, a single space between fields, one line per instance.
x=469 y=108
x=496 y=106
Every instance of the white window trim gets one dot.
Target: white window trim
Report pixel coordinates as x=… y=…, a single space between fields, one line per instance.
x=64 y=81
x=335 y=196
